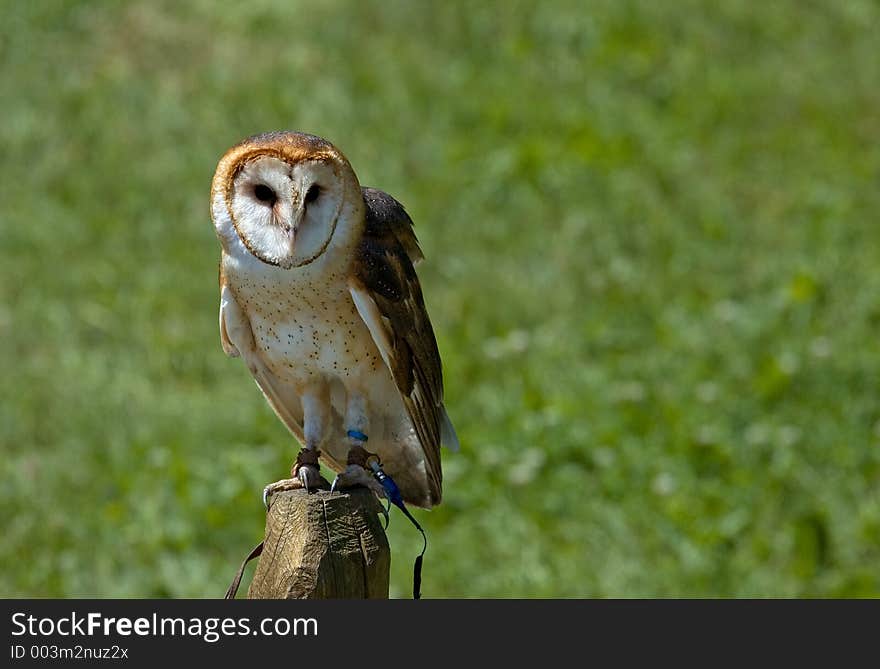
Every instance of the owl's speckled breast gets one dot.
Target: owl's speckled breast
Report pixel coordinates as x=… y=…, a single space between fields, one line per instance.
x=305 y=323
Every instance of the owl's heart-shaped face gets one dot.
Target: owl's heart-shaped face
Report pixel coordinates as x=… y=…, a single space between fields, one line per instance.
x=286 y=214
x=283 y=195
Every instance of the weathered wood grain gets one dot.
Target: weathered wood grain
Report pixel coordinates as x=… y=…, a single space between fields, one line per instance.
x=323 y=545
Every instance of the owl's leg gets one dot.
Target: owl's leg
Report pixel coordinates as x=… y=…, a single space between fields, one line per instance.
x=357 y=422
x=316 y=418
x=306 y=472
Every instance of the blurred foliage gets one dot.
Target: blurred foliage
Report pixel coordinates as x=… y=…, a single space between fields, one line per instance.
x=653 y=269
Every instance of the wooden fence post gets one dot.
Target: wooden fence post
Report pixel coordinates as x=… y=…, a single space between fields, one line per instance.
x=323 y=545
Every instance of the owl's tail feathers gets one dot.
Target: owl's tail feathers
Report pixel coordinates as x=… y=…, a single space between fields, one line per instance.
x=448 y=438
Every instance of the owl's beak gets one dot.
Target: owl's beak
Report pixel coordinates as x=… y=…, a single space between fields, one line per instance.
x=289 y=215
x=295 y=220
x=297 y=211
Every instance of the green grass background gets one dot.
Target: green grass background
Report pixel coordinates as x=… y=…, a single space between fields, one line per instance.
x=653 y=267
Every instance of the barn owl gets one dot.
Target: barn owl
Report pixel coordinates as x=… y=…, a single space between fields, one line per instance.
x=319 y=297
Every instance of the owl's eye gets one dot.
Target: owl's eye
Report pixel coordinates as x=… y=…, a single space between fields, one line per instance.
x=312 y=193
x=265 y=194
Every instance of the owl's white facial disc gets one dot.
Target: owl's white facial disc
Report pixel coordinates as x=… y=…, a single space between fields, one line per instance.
x=286 y=214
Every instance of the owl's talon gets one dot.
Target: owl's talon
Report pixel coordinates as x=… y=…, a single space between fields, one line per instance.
x=305 y=474
x=310 y=477
x=306 y=469
x=355 y=475
x=280 y=486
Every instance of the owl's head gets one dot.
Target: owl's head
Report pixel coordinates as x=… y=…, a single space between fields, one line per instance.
x=286 y=196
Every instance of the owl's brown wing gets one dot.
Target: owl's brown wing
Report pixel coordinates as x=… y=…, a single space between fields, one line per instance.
x=387 y=294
